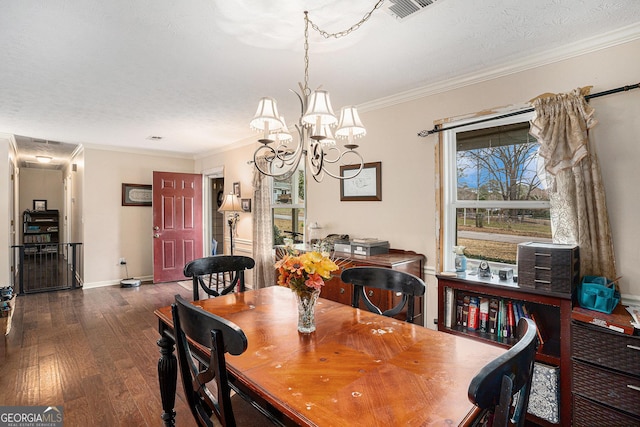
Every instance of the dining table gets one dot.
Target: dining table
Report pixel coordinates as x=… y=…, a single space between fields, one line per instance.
x=356 y=368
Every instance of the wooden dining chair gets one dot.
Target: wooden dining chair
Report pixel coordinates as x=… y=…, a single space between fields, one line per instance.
x=500 y=391
x=220 y=336
x=408 y=285
x=233 y=265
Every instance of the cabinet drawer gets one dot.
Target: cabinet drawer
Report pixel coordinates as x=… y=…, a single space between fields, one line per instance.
x=608 y=387
x=606 y=348
x=588 y=414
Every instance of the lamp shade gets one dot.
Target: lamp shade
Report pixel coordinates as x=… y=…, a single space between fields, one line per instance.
x=282 y=134
x=231 y=203
x=319 y=110
x=350 y=124
x=324 y=135
x=266 y=117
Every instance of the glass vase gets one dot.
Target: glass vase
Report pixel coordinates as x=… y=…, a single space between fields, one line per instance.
x=307 y=311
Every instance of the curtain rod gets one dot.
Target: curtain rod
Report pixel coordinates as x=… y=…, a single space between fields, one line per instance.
x=438 y=128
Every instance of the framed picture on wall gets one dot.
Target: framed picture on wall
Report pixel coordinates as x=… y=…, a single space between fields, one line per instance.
x=39 y=205
x=246 y=205
x=365 y=186
x=136 y=195
x=236 y=189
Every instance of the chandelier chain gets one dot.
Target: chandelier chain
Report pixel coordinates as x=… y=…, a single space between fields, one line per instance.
x=328 y=35
x=351 y=29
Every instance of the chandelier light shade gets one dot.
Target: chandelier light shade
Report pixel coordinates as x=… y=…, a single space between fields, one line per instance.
x=319 y=111
x=266 y=118
x=350 y=126
x=315 y=140
x=282 y=134
x=324 y=135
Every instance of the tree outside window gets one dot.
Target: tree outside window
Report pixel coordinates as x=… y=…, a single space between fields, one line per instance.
x=494 y=197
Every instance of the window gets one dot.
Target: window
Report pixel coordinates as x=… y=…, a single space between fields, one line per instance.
x=492 y=194
x=288 y=206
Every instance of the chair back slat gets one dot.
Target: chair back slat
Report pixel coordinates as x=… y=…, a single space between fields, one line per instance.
x=217 y=264
x=385 y=279
x=507 y=379
x=221 y=336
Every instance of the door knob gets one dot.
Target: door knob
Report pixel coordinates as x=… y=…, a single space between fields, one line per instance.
x=156 y=228
x=156 y=235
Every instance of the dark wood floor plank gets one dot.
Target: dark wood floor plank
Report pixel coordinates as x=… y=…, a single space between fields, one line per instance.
x=92 y=351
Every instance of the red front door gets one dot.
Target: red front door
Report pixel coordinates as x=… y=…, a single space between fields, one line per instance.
x=177 y=223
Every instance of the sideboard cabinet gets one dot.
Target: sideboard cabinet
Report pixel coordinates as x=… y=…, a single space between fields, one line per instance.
x=552 y=314
x=401 y=260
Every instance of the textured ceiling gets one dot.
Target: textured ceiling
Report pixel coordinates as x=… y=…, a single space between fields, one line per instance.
x=116 y=72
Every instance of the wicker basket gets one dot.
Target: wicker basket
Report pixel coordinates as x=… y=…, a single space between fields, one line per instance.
x=588 y=414
x=609 y=349
x=608 y=387
x=548 y=267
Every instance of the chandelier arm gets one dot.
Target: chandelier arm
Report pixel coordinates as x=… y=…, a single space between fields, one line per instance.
x=271 y=157
x=340 y=177
x=315 y=159
x=351 y=29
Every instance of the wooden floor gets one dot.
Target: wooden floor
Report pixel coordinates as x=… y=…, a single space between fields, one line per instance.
x=93 y=352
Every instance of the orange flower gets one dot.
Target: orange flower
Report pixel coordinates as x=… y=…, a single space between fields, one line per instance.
x=315 y=281
x=306 y=272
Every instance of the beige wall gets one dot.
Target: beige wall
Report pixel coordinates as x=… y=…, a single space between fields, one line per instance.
x=41 y=184
x=406 y=215
x=111 y=231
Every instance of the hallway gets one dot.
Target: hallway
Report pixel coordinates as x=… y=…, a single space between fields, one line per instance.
x=93 y=352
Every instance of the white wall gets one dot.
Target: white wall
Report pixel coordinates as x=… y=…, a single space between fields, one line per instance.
x=111 y=231
x=6 y=184
x=406 y=215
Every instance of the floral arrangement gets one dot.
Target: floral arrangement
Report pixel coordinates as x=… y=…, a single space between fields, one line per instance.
x=304 y=273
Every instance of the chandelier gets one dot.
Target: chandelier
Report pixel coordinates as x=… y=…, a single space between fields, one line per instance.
x=315 y=134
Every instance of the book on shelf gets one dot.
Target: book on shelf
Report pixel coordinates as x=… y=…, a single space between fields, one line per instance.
x=511 y=320
x=459 y=308
x=474 y=313
x=484 y=314
x=493 y=316
x=449 y=307
x=504 y=333
x=517 y=314
x=538 y=329
x=465 y=310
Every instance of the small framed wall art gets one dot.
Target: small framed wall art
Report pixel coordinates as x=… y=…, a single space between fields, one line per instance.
x=366 y=186
x=136 y=195
x=236 y=189
x=246 y=205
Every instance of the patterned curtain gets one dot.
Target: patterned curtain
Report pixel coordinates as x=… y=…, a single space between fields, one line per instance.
x=264 y=271
x=578 y=207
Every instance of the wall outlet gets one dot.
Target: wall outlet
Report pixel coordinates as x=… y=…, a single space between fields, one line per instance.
x=122 y=261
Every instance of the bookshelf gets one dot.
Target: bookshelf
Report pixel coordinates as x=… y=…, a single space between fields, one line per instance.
x=552 y=314
x=38 y=229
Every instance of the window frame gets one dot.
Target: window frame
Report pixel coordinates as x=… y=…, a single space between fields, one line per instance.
x=295 y=204
x=449 y=182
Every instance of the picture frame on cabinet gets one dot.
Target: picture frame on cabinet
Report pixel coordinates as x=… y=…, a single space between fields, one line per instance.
x=39 y=205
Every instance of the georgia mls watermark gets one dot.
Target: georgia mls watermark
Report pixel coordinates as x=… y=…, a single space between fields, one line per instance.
x=31 y=416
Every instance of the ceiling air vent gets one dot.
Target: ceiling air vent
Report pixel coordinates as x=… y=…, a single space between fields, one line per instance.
x=402 y=9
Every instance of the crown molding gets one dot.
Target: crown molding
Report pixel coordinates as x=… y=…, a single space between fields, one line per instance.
x=603 y=41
